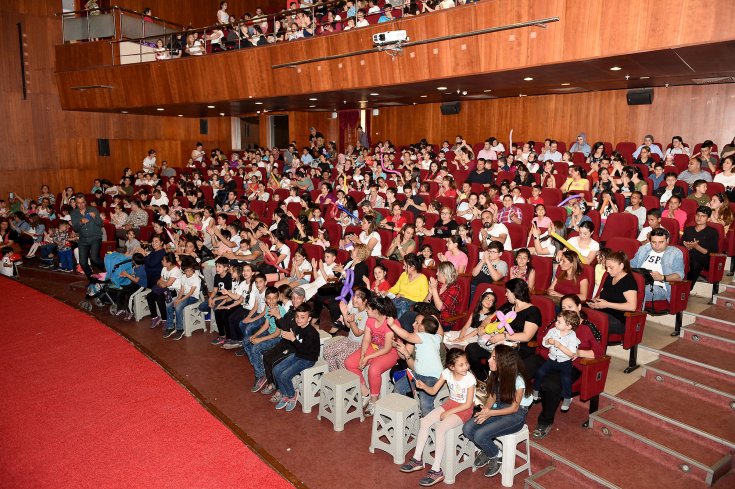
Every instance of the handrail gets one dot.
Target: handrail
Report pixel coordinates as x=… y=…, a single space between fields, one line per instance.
x=114 y=7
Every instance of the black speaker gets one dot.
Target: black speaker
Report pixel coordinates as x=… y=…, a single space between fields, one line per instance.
x=450 y=109
x=203 y=126
x=103 y=147
x=640 y=96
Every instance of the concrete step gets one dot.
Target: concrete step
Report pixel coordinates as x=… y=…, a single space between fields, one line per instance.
x=692 y=379
x=667 y=404
x=696 y=458
x=698 y=353
x=710 y=333
x=559 y=477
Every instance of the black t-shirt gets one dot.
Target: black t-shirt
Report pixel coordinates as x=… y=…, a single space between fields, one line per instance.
x=531 y=314
x=223 y=283
x=412 y=202
x=486 y=177
x=442 y=230
x=708 y=238
x=615 y=293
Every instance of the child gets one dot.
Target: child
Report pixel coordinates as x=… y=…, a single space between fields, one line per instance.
x=166 y=286
x=256 y=316
x=517 y=197
x=59 y=239
x=324 y=272
x=242 y=300
x=562 y=343
x=505 y=409
x=426 y=364
x=600 y=267
x=523 y=269
x=476 y=323
x=138 y=282
x=265 y=338
x=700 y=195
x=454 y=412
x=536 y=198
x=380 y=285
x=131 y=243
x=219 y=299
x=426 y=253
x=541 y=220
x=6 y=265
x=306 y=345
x=190 y=285
x=354 y=317
x=376 y=350
x=635 y=208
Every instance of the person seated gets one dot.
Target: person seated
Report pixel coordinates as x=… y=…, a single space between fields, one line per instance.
x=706 y=156
x=644 y=158
x=575 y=181
x=653 y=219
x=618 y=293
x=648 y=142
x=581 y=145
x=636 y=208
x=694 y=172
x=456 y=253
x=569 y=279
x=577 y=217
x=552 y=153
x=700 y=193
x=678 y=147
x=701 y=240
x=666 y=264
x=491 y=268
x=668 y=188
x=509 y=213
x=674 y=211
x=446 y=226
x=721 y=213
x=657 y=177
x=584 y=243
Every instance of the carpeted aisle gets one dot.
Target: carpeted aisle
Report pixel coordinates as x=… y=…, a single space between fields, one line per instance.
x=81 y=407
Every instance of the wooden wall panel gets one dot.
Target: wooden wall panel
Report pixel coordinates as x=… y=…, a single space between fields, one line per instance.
x=694 y=112
x=299 y=124
x=584 y=32
x=45 y=144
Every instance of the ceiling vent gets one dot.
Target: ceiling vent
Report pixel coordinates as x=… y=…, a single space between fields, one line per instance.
x=711 y=81
x=568 y=89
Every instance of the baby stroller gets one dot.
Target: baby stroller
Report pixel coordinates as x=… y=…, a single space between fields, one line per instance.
x=103 y=293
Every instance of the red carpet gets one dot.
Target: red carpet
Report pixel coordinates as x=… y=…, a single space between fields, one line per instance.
x=81 y=407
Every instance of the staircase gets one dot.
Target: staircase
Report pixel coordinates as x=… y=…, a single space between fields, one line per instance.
x=673 y=427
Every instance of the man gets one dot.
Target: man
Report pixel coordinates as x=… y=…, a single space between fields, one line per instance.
x=159 y=198
x=648 y=141
x=482 y=174
x=553 y=153
x=653 y=219
x=414 y=202
x=694 y=172
x=136 y=220
x=88 y=223
x=700 y=240
x=665 y=262
x=487 y=152
x=493 y=231
x=228 y=185
x=149 y=162
x=362 y=136
x=706 y=156
x=166 y=171
x=509 y=213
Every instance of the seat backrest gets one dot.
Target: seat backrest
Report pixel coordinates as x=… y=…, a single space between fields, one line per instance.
x=627 y=245
x=517 y=235
x=551 y=196
x=438 y=245
x=543 y=266
x=588 y=272
x=547 y=308
x=313 y=251
x=621 y=224
x=600 y=320
x=672 y=226
x=394 y=270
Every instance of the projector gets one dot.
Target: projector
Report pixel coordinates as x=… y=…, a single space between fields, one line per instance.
x=390 y=37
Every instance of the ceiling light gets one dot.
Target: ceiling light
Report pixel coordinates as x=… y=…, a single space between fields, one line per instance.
x=210 y=106
x=565 y=84
x=424 y=96
x=522 y=95
x=313 y=99
x=124 y=111
x=615 y=68
x=528 y=78
x=362 y=101
x=258 y=112
x=312 y=106
x=464 y=92
x=486 y=91
x=222 y=114
x=441 y=88
x=374 y=94
x=258 y=103
x=160 y=109
x=181 y=115
x=645 y=77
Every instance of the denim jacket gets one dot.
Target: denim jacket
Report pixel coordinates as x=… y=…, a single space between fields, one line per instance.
x=672 y=261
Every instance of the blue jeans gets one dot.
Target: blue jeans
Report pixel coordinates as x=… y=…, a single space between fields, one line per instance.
x=66 y=259
x=564 y=369
x=482 y=435
x=249 y=329
x=426 y=401
x=402 y=305
x=47 y=251
x=255 y=353
x=658 y=294
x=286 y=370
x=177 y=313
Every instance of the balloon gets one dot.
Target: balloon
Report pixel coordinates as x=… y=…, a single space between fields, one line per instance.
x=580 y=196
x=347 y=211
x=387 y=170
x=572 y=248
x=347 y=287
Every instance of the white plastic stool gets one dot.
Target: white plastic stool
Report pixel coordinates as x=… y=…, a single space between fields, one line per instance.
x=193 y=319
x=441 y=396
x=139 y=304
x=324 y=338
x=309 y=385
x=508 y=469
x=340 y=399
x=395 y=426
x=459 y=453
x=386 y=387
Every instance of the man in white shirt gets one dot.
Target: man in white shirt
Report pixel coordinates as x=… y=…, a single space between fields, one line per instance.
x=493 y=231
x=149 y=162
x=159 y=198
x=553 y=154
x=487 y=153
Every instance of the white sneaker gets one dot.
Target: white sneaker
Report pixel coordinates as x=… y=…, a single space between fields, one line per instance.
x=565 y=405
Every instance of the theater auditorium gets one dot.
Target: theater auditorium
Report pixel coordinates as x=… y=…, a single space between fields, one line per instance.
x=367 y=243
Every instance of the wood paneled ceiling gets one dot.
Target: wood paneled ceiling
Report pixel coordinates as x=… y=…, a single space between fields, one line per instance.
x=670 y=67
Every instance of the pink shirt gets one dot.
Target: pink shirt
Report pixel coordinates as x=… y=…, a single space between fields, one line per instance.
x=377 y=332
x=459 y=260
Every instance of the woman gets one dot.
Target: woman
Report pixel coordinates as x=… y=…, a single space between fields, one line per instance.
x=618 y=293
x=327 y=294
x=547 y=176
x=326 y=196
x=456 y=253
x=505 y=409
x=119 y=218
x=395 y=221
x=447 y=188
x=575 y=181
x=162 y=53
x=727 y=177
x=369 y=236
x=577 y=218
x=584 y=243
x=302 y=233
x=444 y=293
x=677 y=147
x=222 y=16
x=591 y=346
x=523 y=177
x=569 y=278
x=446 y=226
x=721 y=213
x=403 y=244
x=69 y=196
x=412 y=285
x=8 y=237
x=45 y=194
x=525 y=325
x=544 y=244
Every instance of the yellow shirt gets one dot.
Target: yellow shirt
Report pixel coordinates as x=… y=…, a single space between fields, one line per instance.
x=570 y=185
x=415 y=290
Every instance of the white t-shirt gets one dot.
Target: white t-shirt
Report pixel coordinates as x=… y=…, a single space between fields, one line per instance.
x=174 y=273
x=159 y=202
x=186 y=284
x=727 y=181
x=360 y=321
x=257 y=301
x=365 y=239
x=653 y=263
x=569 y=341
x=593 y=246
x=458 y=390
x=149 y=164
x=428 y=362
x=640 y=214
x=527 y=398
x=6 y=268
x=305 y=267
x=283 y=250
x=499 y=229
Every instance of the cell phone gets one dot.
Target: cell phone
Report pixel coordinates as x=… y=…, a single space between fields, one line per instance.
x=12 y=195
